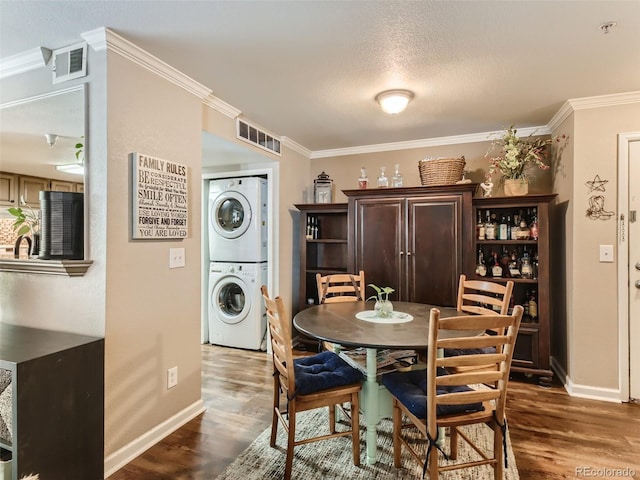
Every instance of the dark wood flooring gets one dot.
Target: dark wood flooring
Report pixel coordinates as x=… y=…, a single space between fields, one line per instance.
x=553 y=435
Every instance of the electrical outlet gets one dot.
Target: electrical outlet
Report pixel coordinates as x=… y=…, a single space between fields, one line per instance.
x=176 y=257
x=172 y=377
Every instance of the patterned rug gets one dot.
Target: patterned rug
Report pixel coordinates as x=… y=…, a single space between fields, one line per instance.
x=332 y=459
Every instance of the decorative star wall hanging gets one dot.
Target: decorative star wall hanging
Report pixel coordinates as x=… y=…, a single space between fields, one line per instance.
x=596 y=185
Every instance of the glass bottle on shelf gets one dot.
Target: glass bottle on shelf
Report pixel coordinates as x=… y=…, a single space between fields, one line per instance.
x=533 y=227
x=514 y=271
x=481 y=267
x=502 y=228
x=523 y=231
x=496 y=269
x=383 y=180
x=489 y=229
x=526 y=269
x=363 y=181
x=396 y=180
x=534 y=266
x=514 y=227
x=505 y=258
x=480 y=229
x=533 y=306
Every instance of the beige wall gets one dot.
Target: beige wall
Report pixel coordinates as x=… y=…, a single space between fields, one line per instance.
x=152 y=312
x=345 y=169
x=593 y=294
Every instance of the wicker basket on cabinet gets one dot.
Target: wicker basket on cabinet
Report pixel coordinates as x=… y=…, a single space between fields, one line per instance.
x=441 y=171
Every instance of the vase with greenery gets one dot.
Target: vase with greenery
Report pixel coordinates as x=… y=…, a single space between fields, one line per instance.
x=26 y=223
x=514 y=157
x=383 y=307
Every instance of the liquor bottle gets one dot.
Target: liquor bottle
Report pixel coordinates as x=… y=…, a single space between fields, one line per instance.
x=514 y=227
x=504 y=261
x=383 y=180
x=396 y=180
x=533 y=226
x=309 y=233
x=514 y=271
x=525 y=304
x=489 y=228
x=523 y=231
x=508 y=228
x=533 y=306
x=534 y=266
x=481 y=267
x=525 y=269
x=496 y=269
x=480 y=231
x=502 y=228
x=363 y=181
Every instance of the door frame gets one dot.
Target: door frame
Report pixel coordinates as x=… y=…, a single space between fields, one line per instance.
x=624 y=139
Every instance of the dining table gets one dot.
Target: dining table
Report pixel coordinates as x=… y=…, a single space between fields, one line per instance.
x=356 y=324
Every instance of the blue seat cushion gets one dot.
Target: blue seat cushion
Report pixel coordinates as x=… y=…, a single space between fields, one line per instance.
x=323 y=371
x=410 y=388
x=455 y=352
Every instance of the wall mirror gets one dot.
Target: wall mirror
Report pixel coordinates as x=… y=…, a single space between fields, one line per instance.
x=39 y=139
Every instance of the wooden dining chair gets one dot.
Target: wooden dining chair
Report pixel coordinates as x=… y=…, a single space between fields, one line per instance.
x=434 y=399
x=480 y=297
x=306 y=383
x=336 y=288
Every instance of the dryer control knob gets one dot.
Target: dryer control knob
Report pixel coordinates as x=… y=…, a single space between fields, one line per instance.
x=232 y=269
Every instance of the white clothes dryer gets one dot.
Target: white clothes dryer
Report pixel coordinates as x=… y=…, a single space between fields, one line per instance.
x=238 y=220
x=237 y=316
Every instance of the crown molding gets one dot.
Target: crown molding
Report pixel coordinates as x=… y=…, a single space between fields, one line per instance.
x=584 y=103
x=296 y=147
x=126 y=49
x=221 y=106
x=427 y=142
x=96 y=39
x=34 y=98
x=24 y=62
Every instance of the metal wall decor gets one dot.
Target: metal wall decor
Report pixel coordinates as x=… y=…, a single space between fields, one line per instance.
x=596 y=209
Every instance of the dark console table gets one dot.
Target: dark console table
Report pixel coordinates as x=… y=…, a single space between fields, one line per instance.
x=55 y=381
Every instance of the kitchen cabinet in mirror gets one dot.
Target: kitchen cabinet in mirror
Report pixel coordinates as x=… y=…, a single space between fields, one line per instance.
x=41 y=137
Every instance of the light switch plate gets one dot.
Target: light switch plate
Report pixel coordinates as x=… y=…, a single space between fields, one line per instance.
x=176 y=257
x=606 y=253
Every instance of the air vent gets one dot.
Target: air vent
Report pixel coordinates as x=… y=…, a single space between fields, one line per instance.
x=257 y=137
x=69 y=63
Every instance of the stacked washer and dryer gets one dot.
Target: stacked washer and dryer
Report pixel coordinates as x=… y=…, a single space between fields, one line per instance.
x=238 y=256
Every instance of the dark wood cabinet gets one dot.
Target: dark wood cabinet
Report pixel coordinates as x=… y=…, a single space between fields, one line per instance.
x=532 y=351
x=322 y=240
x=415 y=240
x=56 y=384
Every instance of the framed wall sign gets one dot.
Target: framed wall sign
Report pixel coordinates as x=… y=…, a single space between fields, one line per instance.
x=160 y=198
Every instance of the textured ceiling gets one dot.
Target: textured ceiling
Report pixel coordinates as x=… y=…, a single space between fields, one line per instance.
x=310 y=70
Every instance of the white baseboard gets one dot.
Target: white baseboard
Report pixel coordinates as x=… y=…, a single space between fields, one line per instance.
x=120 y=458
x=585 y=391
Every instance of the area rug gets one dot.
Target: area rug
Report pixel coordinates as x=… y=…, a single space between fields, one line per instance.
x=332 y=459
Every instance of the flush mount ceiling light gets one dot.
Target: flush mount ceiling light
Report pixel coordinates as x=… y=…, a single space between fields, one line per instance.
x=51 y=139
x=74 y=168
x=394 y=101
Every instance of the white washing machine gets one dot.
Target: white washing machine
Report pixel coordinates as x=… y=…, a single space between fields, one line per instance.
x=237 y=316
x=238 y=220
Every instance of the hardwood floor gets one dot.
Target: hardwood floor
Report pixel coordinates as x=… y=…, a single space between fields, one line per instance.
x=553 y=435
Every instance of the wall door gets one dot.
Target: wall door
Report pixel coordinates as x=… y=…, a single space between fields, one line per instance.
x=634 y=269
x=629 y=264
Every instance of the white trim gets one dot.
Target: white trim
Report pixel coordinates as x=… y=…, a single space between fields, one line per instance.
x=126 y=49
x=427 y=142
x=54 y=93
x=624 y=139
x=296 y=147
x=574 y=104
x=24 y=62
x=96 y=39
x=121 y=457
x=221 y=106
x=593 y=393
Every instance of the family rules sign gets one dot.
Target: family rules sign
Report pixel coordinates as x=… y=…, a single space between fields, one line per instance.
x=160 y=196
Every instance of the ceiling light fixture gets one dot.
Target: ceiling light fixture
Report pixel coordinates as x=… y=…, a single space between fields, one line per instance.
x=51 y=139
x=74 y=168
x=394 y=101
x=607 y=26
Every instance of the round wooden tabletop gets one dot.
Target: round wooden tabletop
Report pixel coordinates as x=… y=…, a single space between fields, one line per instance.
x=337 y=323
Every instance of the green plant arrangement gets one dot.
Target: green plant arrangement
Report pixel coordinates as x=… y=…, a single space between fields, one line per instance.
x=26 y=220
x=382 y=293
x=514 y=157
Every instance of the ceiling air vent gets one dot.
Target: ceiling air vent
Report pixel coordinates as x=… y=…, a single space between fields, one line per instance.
x=257 y=137
x=69 y=63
